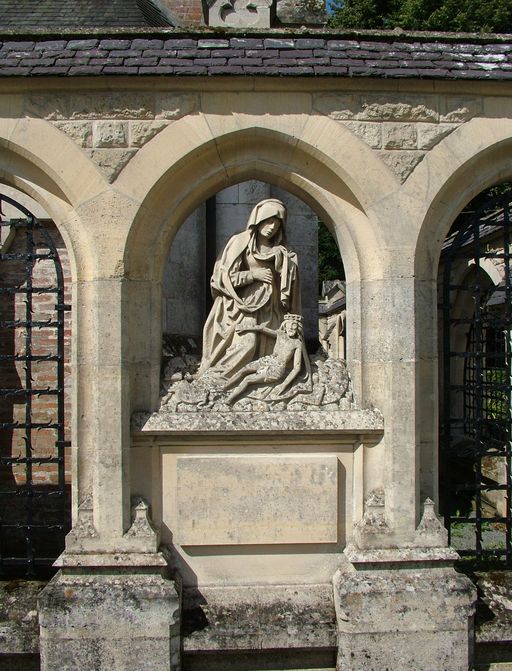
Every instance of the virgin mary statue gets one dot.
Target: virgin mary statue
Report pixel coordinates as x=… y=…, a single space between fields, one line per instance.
x=254 y=283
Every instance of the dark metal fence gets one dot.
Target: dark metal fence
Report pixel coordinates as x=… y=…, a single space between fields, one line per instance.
x=476 y=421
x=34 y=503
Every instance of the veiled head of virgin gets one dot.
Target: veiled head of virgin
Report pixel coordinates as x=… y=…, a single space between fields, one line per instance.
x=269 y=218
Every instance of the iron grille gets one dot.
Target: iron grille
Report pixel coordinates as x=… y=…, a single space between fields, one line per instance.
x=476 y=424
x=34 y=506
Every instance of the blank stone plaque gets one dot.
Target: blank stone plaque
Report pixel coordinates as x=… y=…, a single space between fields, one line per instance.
x=257 y=500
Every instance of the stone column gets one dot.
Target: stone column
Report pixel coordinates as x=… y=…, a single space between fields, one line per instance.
x=399 y=602
x=112 y=604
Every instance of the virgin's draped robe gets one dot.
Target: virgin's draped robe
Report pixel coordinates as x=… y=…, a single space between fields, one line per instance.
x=239 y=297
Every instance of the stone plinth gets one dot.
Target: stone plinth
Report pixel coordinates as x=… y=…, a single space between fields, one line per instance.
x=398 y=610
x=252 y=497
x=109 y=619
x=342 y=423
x=260 y=618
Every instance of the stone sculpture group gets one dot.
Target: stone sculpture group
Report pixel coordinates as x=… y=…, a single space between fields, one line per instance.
x=254 y=355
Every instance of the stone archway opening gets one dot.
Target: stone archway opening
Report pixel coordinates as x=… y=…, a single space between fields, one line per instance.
x=186 y=285
x=475 y=286
x=35 y=403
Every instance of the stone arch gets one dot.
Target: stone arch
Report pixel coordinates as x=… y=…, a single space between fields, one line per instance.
x=171 y=177
x=187 y=162
x=474 y=157
x=44 y=163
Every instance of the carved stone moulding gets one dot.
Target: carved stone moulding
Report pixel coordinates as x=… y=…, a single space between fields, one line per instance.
x=357 y=422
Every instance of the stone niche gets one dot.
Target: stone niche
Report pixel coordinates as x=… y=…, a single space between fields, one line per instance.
x=241 y=13
x=246 y=474
x=255 y=492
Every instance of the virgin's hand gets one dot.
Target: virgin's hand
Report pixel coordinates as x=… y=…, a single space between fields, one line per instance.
x=263 y=275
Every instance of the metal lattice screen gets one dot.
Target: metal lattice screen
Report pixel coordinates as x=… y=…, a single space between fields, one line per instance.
x=34 y=507
x=476 y=424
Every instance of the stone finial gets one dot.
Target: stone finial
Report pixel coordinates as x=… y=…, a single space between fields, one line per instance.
x=240 y=13
x=141 y=523
x=430 y=531
x=374 y=525
x=83 y=528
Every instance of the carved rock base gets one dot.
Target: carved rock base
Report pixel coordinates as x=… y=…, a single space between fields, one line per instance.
x=403 y=614
x=122 y=621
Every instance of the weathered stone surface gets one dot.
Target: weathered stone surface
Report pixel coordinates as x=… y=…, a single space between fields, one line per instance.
x=47 y=106
x=80 y=132
x=493 y=634
x=116 y=105
x=397 y=107
x=259 y=618
x=303 y=509
x=378 y=107
x=430 y=134
x=412 y=618
x=399 y=136
x=402 y=163
x=339 y=107
x=111 y=161
x=143 y=131
x=173 y=106
x=122 y=621
x=496 y=590
x=363 y=421
x=110 y=134
x=302 y=12
x=19 y=625
x=371 y=133
x=457 y=109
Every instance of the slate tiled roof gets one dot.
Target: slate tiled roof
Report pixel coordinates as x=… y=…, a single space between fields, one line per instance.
x=81 y=13
x=274 y=53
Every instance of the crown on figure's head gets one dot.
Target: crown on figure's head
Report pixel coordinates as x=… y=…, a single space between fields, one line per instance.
x=293 y=318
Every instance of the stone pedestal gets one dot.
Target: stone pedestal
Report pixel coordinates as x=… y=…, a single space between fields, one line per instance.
x=109 y=619
x=403 y=609
x=111 y=610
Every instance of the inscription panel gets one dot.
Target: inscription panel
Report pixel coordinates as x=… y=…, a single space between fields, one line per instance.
x=237 y=500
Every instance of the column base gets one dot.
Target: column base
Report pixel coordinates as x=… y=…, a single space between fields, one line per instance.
x=110 y=618
x=403 y=612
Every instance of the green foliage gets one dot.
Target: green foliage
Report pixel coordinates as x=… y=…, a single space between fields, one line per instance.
x=330 y=265
x=437 y=15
